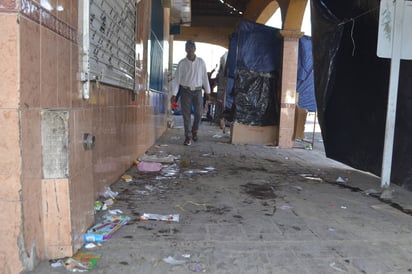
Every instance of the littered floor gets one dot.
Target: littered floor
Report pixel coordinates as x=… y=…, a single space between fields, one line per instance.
x=253 y=209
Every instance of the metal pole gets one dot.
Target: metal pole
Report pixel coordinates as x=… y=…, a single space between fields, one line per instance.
x=84 y=11
x=393 y=95
x=314 y=129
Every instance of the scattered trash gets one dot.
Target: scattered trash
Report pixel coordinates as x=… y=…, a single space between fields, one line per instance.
x=387 y=194
x=108 y=193
x=102 y=206
x=149 y=187
x=82 y=261
x=105 y=230
x=343 y=207
x=56 y=263
x=331 y=229
x=163 y=177
x=98 y=205
x=196 y=171
x=115 y=212
x=109 y=202
x=170 y=120
x=312 y=178
x=177 y=259
x=341 y=180
x=158 y=159
x=162 y=145
x=182 y=207
x=285 y=207
x=184 y=163
x=127 y=178
x=308 y=147
x=217 y=136
x=333 y=265
x=142 y=192
x=173 y=261
x=158 y=217
x=149 y=166
x=371 y=191
x=170 y=171
x=197 y=267
x=297 y=187
x=90 y=245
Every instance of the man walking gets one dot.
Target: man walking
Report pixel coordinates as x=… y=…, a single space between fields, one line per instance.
x=190 y=78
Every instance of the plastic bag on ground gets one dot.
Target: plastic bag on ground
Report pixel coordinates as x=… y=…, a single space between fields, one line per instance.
x=149 y=166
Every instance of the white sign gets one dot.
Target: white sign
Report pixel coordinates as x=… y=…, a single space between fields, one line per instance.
x=387 y=26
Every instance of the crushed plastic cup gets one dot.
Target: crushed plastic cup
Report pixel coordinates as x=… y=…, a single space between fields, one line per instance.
x=108 y=193
x=340 y=180
x=177 y=259
x=109 y=202
x=173 y=261
x=90 y=246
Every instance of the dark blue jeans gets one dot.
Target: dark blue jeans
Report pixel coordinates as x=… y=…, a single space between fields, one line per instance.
x=187 y=99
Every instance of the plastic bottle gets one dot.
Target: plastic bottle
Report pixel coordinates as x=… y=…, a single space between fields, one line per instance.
x=90 y=237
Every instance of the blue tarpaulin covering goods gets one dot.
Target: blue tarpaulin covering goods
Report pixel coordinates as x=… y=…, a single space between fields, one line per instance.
x=254 y=65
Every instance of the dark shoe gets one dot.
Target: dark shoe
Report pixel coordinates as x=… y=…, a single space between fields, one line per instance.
x=187 y=141
x=194 y=136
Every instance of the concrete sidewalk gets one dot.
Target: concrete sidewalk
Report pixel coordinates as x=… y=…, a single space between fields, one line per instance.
x=254 y=209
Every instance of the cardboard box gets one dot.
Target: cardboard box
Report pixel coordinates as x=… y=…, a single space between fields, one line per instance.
x=254 y=135
x=300 y=121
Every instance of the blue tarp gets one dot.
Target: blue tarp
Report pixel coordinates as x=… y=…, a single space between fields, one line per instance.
x=305 y=82
x=258 y=48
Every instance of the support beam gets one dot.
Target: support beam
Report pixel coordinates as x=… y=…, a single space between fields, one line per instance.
x=288 y=98
x=293 y=14
x=267 y=12
x=256 y=8
x=216 y=36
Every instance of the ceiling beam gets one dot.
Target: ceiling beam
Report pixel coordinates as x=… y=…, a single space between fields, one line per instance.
x=214 y=21
x=217 y=36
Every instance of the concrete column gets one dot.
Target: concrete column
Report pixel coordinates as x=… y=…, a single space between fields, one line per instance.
x=288 y=98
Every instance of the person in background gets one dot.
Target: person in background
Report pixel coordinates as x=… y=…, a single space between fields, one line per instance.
x=190 y=78
x=212 y=96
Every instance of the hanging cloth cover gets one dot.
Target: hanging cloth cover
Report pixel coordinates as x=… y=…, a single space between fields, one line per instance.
x=351 y=85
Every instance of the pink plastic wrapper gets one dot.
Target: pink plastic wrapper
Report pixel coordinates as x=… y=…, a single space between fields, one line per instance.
x=149 y=166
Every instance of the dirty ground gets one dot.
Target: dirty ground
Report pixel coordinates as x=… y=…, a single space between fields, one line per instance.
x=253 y=209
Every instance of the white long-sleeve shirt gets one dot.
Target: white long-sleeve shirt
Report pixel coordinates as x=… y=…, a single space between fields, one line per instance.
x=191 y=74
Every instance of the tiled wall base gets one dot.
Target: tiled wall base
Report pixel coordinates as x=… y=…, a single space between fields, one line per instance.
x=56 y=218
